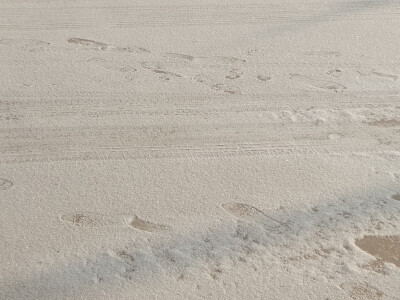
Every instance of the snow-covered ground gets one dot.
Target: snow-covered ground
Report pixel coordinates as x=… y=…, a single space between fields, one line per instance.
x=220 y=150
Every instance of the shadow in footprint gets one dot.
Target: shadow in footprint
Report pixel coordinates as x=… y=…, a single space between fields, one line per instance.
x=144 y=225
x=5 y=184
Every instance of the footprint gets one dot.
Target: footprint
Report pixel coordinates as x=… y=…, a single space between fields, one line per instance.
x=149 y=65
x=241 y=210
x=29 y=45
x=148 y=226
x=166 y=75
x=90 y=43
x=385 y=123
x=383 y=248
x=361 y=291
x=244 y=211
x=263 y=78
x=322 y=53
x=334 y=72
x=217 y=61
x=203 y=79
x=231 y=59
x=132 y=49
x=234 y=74
x=5 y=184
x=88 y=219
x=376 y=266
x=396 y=175
x=225 y=88
x=378 y=74
x=110 y=65
x=396 y=197
x=179 y=56
x=386 y=76
x=334 y=136
x=319 y=84
x=156 y=67
x=104 y=46
x=129 y=261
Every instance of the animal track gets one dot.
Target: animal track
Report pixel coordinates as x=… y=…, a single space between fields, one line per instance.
x=361 y=291
x=5 y=184
x=319 y=84
x=148 y=226
x=234 y=74
x=88 y=219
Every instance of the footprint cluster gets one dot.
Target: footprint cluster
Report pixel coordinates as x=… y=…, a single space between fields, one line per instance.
x=233 y=67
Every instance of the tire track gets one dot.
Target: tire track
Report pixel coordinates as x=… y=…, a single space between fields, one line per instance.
x=130 y=16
